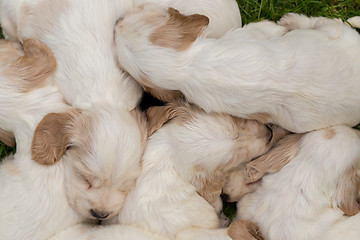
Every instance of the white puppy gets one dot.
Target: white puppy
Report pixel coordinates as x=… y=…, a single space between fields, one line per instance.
x=33 y=198
x=184 y=159
x=302 y=80
x=105 y=137
x=307 y=199
x=188 y=156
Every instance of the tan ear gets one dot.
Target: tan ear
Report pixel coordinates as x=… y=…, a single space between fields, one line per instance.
x=51 y=137
x=33 y=69
x=158 y=115
x=346 y=192
x=7 y=138
x=275 y=159
x=244 y=230
x=210 y=186
x=180 y=31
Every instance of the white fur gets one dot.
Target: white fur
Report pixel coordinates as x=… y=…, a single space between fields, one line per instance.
x=223 y=14
x=305 y=79
x=300 y=201
x=108 y=141
x=33 y=197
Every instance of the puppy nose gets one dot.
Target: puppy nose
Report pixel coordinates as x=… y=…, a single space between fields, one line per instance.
x=98 y=214
x=224 y=197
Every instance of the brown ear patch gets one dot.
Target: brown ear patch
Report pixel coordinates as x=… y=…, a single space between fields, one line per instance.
x=347 y=189
x=51 y=137
x=244 y=230
x=159 y=115
x=7 y=138
x=33 y=69
x=275 y=159
x=180 y=31
x=210 y=187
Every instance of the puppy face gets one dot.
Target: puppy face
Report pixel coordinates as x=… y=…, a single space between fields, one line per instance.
x=102 y=162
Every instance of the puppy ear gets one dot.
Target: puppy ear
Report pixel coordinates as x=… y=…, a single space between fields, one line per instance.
x=7 y=138
x=159 y=115
x=37 y=64
x=347 y=189
x=51 y=137
x=180 y=31
x=275 y=159
x=210 y=186
x=244 y=230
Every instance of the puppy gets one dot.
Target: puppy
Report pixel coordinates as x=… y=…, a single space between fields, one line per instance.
x=284 y=77
x=34 y=203
x=314 y=195
x=104 y=139
x=185 y=160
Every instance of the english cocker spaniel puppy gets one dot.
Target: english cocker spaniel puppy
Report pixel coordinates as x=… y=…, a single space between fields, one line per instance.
x=301 y=74
x=314 y=196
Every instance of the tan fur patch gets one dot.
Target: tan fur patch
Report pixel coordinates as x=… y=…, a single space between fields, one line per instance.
x=347 y=189
x=275 y=159
x=261 y=117
x=51 y=137
x=45 y=14
x=329 y=133
x=33 y=69
x=180 y=31
x=11 y=168
x=159 y=115
x=244 y=230
x=211 y=186
x=7 y=138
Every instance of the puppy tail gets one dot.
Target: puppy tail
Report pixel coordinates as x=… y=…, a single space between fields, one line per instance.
x=354 y=21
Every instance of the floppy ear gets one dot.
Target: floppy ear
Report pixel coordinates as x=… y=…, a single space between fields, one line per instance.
x=210 y=186
x=180 y=31
x=34 y=68
x=244 y=230
x=7 y=138
x=275 y=159
x=158 y=115
x=51 y=137
x=347 y=189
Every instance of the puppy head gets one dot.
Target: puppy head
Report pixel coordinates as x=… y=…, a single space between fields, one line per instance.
x=207 y=146
x=102 y=150
x=23 y=68
x=147 y=29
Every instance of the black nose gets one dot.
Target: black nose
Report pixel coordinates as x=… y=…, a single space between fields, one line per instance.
x=225 y=197
x=99 y=215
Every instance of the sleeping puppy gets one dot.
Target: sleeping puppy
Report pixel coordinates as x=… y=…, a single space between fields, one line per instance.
x=300 y=79
x=184 y=166
x=314 y=196
x=104 y=138
x=34 y=200
x=185 y=162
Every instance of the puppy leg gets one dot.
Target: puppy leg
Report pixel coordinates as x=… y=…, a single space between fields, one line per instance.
x=275 y=159
x=292 y=21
